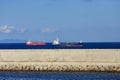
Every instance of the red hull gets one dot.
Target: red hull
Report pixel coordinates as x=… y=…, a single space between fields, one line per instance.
x=36 y=43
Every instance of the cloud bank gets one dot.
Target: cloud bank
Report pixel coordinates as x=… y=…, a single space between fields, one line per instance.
x=48 y=30
x=87 y=0
x=11 y=29
x=23 y=30
x=6 y=29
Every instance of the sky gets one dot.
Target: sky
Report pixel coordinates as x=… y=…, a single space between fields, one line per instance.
x=69 y=20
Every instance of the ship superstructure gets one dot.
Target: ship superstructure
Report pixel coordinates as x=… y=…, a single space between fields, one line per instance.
x=56 y=42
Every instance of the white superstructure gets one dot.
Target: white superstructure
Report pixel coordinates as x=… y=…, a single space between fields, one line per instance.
x=56 y=42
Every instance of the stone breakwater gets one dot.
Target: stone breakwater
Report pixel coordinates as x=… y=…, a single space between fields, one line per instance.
x=60 y=66
x=60 y=60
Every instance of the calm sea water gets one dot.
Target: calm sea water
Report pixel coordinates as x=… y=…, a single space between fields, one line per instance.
x=59 y=76
x=87 y=45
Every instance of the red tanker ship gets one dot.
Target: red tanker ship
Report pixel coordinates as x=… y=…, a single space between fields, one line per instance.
x=30 y=43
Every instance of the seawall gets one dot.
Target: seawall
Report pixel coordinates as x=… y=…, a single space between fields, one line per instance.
x=60 y=60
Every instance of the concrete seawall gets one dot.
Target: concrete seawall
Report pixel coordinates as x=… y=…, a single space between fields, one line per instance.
x=60 y=60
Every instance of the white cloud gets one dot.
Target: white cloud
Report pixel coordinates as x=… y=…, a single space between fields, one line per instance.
x=47 y=30
x=10 y=29
x=23 y=30
x=6 y=29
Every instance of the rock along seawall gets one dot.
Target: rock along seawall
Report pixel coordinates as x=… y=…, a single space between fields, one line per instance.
x=60 y=60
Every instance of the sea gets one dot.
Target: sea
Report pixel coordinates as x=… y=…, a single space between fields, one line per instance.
x=59 y=76
x=85 y=45
x=18 y=75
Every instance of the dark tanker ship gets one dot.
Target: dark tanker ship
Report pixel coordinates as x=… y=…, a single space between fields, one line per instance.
x=65 y=44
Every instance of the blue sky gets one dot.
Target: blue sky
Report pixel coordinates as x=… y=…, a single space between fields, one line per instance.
x=70 y=20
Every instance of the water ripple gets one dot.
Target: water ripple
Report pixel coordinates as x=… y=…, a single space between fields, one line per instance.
x=59 y=76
